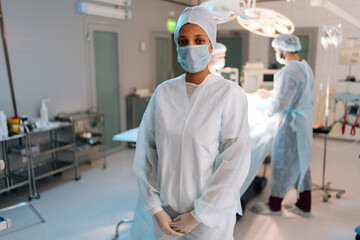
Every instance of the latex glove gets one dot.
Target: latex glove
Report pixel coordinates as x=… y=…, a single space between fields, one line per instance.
x=163 y=220
x=263 y=93
x=268 y=113
x=184 y=223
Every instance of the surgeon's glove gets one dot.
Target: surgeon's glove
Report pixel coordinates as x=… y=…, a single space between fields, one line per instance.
x=264 y=93
x=163 y=220
x=184 y=223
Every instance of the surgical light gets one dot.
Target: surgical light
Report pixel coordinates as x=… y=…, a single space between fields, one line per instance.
x=261 y=21
x=269 y=24
x=103 y=11
x=224 y=10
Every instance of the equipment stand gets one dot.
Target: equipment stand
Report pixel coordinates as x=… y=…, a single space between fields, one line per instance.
x=325 y=188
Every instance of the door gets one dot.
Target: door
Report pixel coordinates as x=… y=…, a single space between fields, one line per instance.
x=234 y=51
x=163 y=57
x=106 y=78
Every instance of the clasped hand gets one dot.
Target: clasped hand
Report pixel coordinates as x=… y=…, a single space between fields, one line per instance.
x=181 y=225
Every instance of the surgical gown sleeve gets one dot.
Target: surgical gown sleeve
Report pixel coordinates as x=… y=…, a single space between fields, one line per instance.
x=146 y=160
x=221 y=194
x=285 y=92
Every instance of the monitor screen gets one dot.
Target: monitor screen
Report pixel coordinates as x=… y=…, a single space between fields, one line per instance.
x=268 y=78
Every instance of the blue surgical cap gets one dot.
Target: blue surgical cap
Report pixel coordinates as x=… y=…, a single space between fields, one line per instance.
x=219 y=48
x=287 y=43
x=200 y=16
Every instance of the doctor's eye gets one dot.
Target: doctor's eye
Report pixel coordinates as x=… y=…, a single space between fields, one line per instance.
x=182 y=42
x=200 y=41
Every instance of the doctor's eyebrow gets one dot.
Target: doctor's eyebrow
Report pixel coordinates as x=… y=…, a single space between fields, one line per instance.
x=197 y=35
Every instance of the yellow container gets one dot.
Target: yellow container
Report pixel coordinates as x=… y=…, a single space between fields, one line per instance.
x=14 y=124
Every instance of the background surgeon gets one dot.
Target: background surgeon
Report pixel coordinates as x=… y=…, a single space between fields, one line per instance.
x=193 y=147
x=217 y=58
x=292 y=144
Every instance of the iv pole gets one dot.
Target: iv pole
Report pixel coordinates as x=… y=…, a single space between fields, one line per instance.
x=7 y=61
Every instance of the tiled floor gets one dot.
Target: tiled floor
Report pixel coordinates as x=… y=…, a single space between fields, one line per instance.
x=90 y=208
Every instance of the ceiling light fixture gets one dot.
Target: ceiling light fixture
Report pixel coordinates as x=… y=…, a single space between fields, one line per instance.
x=123 y=3
x=261 y=21
x=103 y=11
x=269 y=24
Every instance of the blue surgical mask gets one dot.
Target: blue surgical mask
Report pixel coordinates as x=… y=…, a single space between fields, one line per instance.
x=193 y=58
x=279 y=59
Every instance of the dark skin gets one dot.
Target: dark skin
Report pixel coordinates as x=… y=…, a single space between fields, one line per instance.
x=192 y=34
x=189 y=34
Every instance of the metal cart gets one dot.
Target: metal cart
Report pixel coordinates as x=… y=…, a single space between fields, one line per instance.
x=89 y=132
x=13 y=179
x=47 y=161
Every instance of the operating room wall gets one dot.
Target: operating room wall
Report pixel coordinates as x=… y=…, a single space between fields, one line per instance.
x=327 y=64
x=49 y=59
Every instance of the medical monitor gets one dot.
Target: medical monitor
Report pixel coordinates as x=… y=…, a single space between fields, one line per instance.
x=231 y=74
x=254 y=79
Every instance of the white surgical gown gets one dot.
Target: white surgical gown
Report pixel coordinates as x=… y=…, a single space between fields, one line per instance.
x=292 y=144
x=195 y=155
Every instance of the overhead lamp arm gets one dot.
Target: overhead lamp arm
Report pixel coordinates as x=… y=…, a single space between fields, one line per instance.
x=336 y=10
x=251 y=3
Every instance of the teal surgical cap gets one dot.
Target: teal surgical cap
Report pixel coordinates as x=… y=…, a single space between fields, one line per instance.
x=200 y=16
x=287 y=43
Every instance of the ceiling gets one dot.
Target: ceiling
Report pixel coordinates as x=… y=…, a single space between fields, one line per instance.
x=197 y=2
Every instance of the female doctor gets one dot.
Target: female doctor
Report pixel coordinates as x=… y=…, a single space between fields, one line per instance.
x=193 y=148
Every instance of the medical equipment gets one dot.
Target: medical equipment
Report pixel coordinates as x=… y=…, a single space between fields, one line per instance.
x=4 y=223
x=351 y=111
x=255 y=76
x=331 y=35
x=269 y=24
x=320 y=112
x=230 y=74
x=261 y=21
x=344 y=122
x=325 y=188
x=353 y=118
x=353 y=115
x=350 y=56
x=329 y=38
